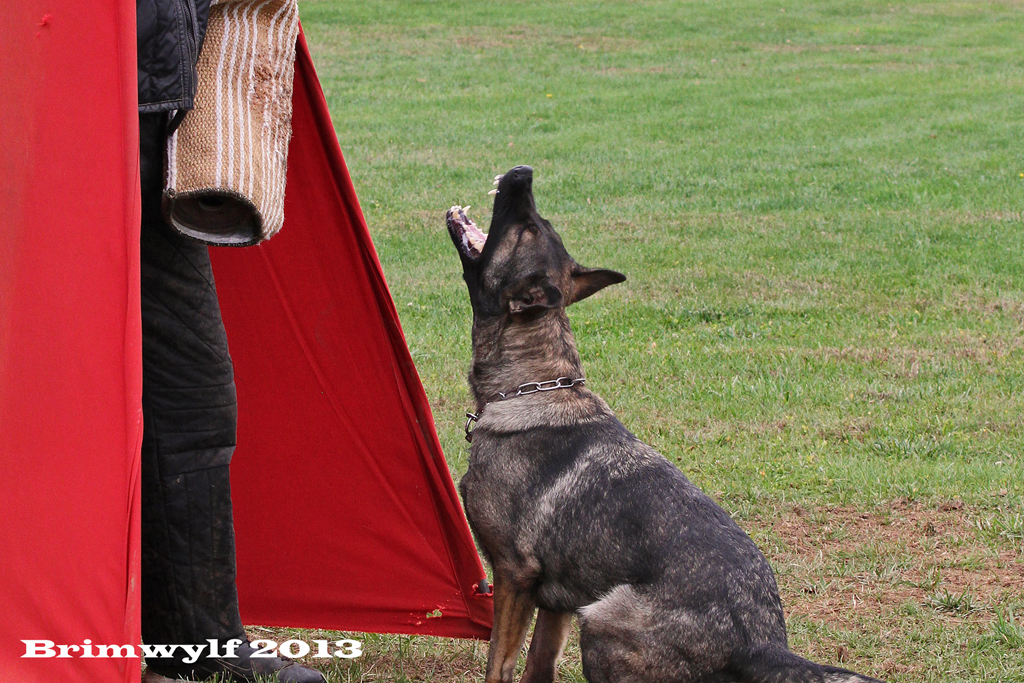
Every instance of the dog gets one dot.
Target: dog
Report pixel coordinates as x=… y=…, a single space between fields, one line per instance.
x=577 y=516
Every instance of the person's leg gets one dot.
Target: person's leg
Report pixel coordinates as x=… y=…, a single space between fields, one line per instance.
x=189 y=414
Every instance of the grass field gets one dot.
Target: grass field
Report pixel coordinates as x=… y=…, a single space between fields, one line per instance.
x=818 y=205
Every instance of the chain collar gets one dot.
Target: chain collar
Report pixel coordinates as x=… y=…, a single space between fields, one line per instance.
x=522 y=390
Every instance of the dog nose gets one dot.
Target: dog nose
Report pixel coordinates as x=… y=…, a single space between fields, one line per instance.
x=514 y=199
x=517 y=180
x=521 y=173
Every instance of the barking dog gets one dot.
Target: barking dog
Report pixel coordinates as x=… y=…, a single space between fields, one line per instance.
x=576 y=515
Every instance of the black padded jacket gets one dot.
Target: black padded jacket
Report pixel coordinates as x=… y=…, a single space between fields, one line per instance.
x=170 y=34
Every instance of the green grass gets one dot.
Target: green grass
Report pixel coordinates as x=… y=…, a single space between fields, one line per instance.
x=818 y=208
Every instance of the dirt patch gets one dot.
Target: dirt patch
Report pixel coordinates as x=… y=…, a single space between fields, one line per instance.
x=832 y=561
x=908 y=363
x=908 y=543
x=494 y=38
x=776 y=284
x=1000 y=305
x=959 y=9
x=796 y=48
x=853 y=578
x=848 y=428
x=616 y=72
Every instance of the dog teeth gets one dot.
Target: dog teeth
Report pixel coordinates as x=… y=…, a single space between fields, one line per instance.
x=493 y=192
x=473 y=238
x=498 y=177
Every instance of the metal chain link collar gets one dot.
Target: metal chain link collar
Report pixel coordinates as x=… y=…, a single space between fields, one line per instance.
x=523 y=390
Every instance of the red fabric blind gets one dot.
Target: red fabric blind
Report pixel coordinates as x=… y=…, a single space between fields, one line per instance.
x=346 y=514
x=70 y=345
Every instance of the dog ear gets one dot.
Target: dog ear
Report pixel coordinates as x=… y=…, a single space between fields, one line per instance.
x=587 y=281
x=533 y=298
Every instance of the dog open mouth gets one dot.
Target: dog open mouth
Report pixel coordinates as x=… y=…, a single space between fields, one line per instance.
x=467 y=236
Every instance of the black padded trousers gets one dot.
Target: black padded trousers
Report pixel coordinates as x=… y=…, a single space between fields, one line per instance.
x=189 y=414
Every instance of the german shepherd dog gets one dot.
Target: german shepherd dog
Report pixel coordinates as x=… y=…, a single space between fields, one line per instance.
x=579 y=517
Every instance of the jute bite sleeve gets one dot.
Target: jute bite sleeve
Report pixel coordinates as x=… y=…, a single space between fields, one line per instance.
x=226 y=162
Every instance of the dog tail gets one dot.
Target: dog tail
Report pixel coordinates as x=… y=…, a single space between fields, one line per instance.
x=834 y=675
x=779 y=665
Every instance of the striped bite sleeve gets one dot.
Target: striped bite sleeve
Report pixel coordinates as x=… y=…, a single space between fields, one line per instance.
x=227 y=160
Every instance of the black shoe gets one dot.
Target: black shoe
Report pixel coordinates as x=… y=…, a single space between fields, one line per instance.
x=276 y=668
x=244 y=667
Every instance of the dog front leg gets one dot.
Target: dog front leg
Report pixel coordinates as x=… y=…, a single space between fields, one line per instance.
x=513 y=609
x=549 y=636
